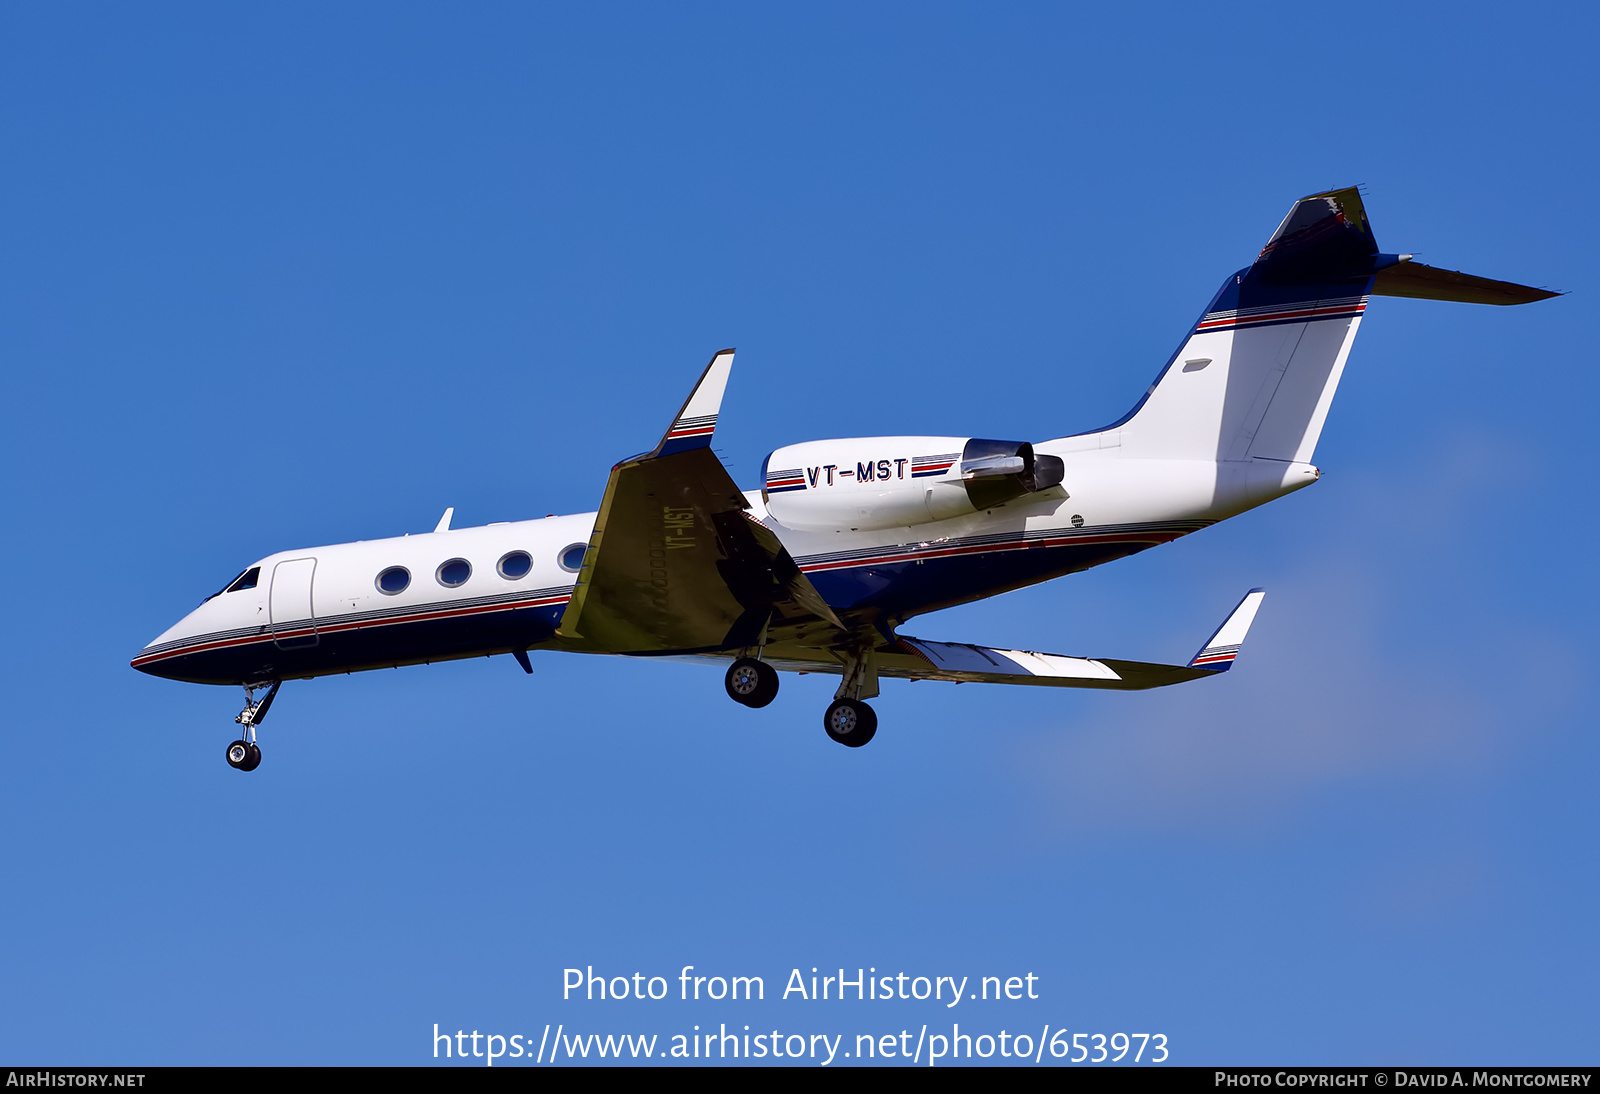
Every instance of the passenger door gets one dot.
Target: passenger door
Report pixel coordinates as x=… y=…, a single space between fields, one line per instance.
x=294 y=624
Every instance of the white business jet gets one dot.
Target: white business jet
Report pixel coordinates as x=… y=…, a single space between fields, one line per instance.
x=847 y=539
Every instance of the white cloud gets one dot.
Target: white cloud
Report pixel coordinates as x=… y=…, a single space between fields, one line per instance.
x=1386 y=649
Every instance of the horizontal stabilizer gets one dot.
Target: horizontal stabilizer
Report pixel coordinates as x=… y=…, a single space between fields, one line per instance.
x=1421 y=282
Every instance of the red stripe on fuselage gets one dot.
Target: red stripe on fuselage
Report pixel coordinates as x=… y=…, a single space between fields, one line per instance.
x=335 y=627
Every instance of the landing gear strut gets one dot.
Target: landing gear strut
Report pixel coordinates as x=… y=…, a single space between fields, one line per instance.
x=848 y=720
x=244 y=754
x=751 y=682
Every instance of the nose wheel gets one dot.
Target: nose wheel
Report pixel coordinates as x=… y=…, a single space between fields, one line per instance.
x=751 y=682
x=244 y=754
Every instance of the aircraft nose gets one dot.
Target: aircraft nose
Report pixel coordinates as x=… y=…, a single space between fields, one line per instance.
x=208 y=646
x=149 y=660
x=164 y=656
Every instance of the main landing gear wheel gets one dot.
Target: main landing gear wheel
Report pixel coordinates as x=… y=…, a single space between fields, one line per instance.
x=850 y=722
x=751 y=682
x=244 y=755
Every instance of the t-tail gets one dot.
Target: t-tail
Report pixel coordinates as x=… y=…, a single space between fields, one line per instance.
x=1251 y=386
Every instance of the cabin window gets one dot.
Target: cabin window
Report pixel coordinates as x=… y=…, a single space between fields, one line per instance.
x=394 y=580
x=515 y=565
x=454 y=573
x=571 y=557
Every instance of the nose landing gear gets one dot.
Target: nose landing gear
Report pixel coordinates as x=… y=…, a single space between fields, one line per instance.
x=244 y=754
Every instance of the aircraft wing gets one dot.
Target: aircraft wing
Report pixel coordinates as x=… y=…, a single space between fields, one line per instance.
x=675 y=563
x=919 y=659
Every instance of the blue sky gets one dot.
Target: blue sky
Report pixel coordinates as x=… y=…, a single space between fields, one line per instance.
x=282 y=278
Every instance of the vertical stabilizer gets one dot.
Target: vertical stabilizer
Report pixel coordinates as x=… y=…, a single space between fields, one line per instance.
x=1260 y=367
x=1254 y=380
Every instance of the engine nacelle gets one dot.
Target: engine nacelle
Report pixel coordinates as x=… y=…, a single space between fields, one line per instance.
x=863 y=483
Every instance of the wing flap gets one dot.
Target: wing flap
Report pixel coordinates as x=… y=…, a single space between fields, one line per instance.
x=981 y=664
x=959 y=660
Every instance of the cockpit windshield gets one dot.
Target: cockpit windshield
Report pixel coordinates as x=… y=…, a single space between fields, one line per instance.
x=246 y=580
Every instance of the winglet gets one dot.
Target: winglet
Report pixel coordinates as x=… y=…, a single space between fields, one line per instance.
x=695 y=423
x=1221 y=648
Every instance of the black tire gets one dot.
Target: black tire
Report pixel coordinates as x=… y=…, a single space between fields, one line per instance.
x=255 y=758
x=850 y=722
x=239 y=756
x=751 y=682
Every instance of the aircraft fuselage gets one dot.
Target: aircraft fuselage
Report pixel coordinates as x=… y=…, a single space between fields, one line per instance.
x=321 y=610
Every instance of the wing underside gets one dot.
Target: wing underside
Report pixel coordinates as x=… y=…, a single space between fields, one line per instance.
x=676 y=565
x=919 y=659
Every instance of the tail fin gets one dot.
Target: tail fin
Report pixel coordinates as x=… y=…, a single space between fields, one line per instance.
x=1259 y=370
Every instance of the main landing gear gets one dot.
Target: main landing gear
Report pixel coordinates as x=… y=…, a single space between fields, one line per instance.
x=244 y=754
x=848 y=720
x=751 y=682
